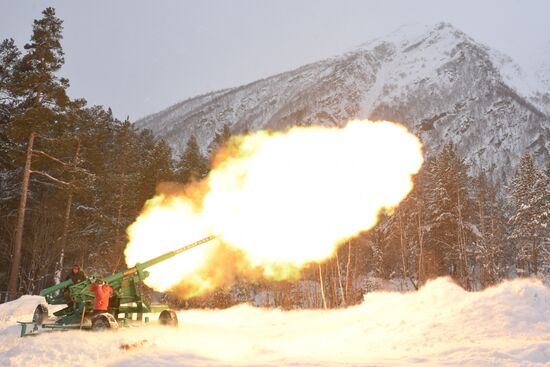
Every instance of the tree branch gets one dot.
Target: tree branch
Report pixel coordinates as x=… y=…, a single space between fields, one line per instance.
x=39 y=152
x=63 y=183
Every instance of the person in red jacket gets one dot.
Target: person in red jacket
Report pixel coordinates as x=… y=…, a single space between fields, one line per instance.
x=102 y=293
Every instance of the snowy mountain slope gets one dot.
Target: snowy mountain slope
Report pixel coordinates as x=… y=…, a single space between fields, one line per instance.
x=438 y=81
x=441 y=324
x=541 y=68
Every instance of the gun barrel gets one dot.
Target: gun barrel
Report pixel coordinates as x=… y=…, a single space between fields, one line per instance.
x=194 y=244
x=168 y=255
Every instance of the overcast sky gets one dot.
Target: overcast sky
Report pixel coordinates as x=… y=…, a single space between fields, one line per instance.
x=139 y=57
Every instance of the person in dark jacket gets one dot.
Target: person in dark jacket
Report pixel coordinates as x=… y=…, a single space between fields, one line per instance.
x=77 y=276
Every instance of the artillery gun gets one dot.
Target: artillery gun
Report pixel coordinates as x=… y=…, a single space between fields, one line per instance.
x=127 y=299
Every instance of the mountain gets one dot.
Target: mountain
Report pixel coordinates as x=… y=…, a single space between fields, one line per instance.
x=438 y=81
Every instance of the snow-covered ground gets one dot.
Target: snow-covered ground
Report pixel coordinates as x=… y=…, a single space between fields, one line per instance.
x=441 y=324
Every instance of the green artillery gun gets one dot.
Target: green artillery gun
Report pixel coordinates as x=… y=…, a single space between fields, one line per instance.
x=127 y=299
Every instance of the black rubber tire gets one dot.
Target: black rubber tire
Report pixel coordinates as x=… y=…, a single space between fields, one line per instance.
x=40 y=314
x=168 y=318
x=104 y=321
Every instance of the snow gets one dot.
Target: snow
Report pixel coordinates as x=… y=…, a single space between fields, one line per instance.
x=527 y=79
x=440 y=324
x=11 y=311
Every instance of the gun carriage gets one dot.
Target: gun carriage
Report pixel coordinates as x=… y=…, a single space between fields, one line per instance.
x=127 y=300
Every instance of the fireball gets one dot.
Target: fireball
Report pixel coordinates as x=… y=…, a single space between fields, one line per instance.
x=277 y=201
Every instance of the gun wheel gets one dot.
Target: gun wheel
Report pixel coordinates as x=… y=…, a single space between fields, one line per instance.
x=168 y=318
x=40 y=314
x=104 y=321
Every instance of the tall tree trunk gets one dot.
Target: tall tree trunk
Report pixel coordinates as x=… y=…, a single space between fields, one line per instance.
x=343 y=302
x=421 y=271
x=462 y=246
x=322 y=287
x=59 y=265
x=118 y=221
x=334 y=285
x=14 y=271
x=66 y=221
x=347 y=272
x=484 y=255
x=495 y=248
x=353 y=277
x=403 y=247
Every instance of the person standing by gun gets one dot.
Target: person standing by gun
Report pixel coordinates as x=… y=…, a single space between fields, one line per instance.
x=77 y=276
x=102 y=291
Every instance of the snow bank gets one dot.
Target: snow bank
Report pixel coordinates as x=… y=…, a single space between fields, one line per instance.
x=440 y=324
x=24 y=306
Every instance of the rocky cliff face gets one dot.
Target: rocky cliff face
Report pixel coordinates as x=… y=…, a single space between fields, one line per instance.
x=438 y=81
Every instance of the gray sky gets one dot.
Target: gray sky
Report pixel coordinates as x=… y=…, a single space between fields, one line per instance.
x=139 y=57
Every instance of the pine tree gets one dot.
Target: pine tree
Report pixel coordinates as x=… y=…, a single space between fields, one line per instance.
x=450 y=211
x=491 y=251
x=407 y=228
x=529 y=221
x=42 y=93
x=191 y=164
x=37 y=103
x=156 y=166
x=378 y=243
x=9 y=58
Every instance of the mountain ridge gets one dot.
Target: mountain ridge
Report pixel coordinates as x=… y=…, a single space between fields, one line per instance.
x=438 y=83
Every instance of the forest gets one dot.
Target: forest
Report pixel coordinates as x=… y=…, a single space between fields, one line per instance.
x=89 y=175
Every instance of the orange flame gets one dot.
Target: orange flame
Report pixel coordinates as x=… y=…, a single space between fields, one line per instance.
x=277 y=201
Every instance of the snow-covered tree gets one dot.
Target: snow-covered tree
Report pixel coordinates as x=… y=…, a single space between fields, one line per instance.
x=450 y=210
x=407 y=227
x=529 y=221
x=492 y=253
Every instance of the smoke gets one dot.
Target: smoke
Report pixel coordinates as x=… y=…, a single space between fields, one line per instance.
x=277 y=201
